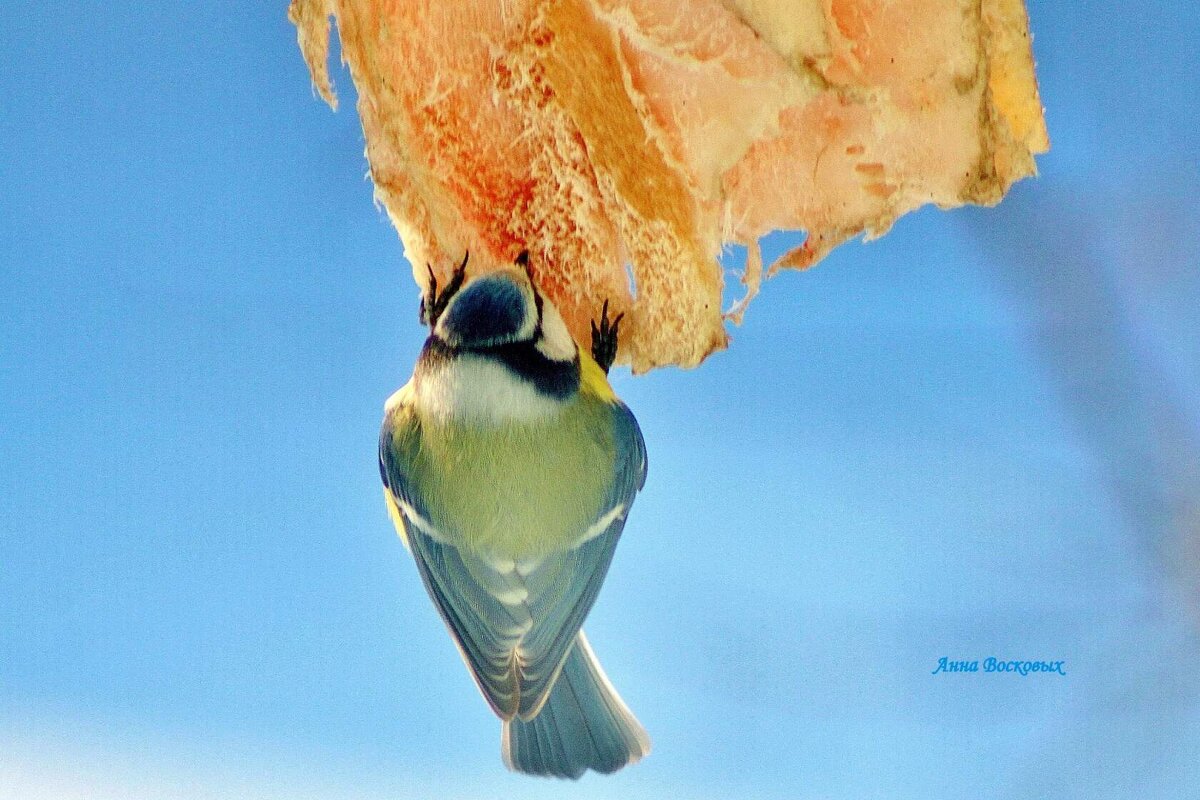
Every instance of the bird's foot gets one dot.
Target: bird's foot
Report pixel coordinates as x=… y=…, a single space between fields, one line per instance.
x=604 y=338
x=434 y=302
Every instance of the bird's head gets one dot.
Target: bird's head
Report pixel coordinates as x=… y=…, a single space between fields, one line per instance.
x=502 y=308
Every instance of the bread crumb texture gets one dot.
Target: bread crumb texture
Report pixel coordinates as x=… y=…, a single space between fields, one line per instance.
x=623 y=143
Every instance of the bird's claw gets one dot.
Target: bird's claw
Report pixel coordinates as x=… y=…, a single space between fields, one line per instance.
x=605 y=338
x=433 y=303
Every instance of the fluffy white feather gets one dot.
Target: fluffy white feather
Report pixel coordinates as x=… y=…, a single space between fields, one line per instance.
x=477 y=389
x=556 y=343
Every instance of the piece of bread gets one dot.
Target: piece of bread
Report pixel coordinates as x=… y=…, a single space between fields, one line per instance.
x=623 y=142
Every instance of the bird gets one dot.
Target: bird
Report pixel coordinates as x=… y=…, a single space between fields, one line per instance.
x=509 y=468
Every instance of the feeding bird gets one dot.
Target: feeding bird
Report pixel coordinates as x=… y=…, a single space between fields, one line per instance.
x=509 y=468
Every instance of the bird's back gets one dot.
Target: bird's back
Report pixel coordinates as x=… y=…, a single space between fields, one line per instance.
x=515 y=490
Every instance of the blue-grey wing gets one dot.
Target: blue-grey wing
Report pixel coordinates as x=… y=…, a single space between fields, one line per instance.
x=515 y=622
x=563 y=589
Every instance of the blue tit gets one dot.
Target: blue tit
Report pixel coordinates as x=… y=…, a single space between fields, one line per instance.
x=509 y=467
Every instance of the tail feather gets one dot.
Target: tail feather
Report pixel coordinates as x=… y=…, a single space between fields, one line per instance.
x=583 y=725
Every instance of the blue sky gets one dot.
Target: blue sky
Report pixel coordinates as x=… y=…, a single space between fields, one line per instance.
x=971 y=438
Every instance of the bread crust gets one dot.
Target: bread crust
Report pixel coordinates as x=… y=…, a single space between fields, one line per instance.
x=623 y=143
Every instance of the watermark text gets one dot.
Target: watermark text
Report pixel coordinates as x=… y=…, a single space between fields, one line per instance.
x=945 y=664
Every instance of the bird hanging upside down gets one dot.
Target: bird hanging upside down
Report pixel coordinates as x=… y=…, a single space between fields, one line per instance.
x=509 y=467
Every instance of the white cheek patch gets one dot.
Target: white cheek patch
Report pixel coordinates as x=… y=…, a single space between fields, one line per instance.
x=529 y=325
x=476 y=389
x=556 y=343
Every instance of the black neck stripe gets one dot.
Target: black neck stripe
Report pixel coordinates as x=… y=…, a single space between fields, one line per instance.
x=557 y=379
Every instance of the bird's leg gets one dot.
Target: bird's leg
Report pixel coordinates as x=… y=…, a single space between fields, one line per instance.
x=434 y=303
x=604 y=338
x=522 y=261
x=427 y=298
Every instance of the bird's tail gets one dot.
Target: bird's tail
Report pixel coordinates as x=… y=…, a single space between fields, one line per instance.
x=583 y=725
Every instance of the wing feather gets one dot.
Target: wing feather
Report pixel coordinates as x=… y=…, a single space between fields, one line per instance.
x=513 y=623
